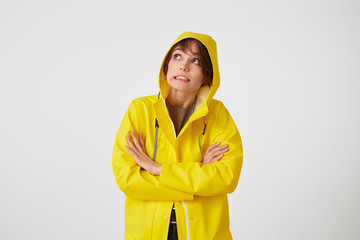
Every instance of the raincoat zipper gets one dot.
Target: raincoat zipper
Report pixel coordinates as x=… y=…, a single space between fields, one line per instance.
x=176 y=151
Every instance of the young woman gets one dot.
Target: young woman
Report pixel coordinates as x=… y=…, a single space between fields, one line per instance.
x=178 y=154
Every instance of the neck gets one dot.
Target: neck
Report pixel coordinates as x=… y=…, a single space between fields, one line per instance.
x=181 y=99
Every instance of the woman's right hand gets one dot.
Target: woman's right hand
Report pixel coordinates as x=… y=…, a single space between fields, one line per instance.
x=214 y=153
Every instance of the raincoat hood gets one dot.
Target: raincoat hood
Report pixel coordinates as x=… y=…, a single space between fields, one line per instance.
x=205 y=93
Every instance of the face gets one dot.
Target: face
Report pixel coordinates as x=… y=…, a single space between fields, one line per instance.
x=184 y=72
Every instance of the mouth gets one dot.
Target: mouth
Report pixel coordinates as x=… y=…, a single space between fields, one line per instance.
x=183 y=78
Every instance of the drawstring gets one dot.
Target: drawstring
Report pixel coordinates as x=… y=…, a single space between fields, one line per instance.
x=156 y=138
x=202 y=134
x=156 y=134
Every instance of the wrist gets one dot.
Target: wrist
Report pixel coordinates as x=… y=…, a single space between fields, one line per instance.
x=157 y=170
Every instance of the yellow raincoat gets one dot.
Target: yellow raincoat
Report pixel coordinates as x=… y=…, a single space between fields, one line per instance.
x=199 y=192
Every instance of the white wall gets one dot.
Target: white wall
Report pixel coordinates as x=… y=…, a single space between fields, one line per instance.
x=290 y=78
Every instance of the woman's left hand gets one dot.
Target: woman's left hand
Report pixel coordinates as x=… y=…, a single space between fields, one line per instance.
x=137 y=149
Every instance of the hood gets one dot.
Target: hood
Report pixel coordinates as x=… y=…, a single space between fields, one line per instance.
x=205 y=93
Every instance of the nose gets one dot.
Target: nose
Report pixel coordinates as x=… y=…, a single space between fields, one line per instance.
x=184 y=66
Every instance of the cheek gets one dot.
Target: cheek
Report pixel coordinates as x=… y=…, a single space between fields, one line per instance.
x=171 y=64
x=169 y=70
x=200 y=76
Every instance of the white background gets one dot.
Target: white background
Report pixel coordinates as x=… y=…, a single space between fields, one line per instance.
x=290 y=78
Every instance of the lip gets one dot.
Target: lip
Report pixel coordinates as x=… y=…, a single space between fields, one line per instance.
x=182 y=78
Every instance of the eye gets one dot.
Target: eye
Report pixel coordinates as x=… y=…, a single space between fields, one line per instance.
x=196 y=61
x=177 y=56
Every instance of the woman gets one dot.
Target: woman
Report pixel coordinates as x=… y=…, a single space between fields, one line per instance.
x=174 y=189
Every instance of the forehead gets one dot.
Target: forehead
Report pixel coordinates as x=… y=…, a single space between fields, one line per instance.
x=189 y=47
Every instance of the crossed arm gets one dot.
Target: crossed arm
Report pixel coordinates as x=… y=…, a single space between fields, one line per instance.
x=141 y=178
x=136 y=148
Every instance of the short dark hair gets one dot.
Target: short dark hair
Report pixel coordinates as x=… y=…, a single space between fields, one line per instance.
x=204 y=58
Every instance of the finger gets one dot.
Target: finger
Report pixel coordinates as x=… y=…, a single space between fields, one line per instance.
x=217 y=158
x=214 y=154
x=129 y=150
x=205 y=160
x=142 y=145
x=129 y=141
x=212 y=146
x=217 y=149
x=132 y=153
x=141 y=141
x=217 y=146
x=208 y=158
x=135 y=155
x=136 y=141
x=131 y=144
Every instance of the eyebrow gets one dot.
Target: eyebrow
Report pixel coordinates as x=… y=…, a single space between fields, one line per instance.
x=193 y=53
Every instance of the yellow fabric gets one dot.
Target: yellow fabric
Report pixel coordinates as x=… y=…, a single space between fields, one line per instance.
x=199 y=192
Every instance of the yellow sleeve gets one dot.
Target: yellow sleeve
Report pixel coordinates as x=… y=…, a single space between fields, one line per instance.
x=210 y=179
x=131 y=179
